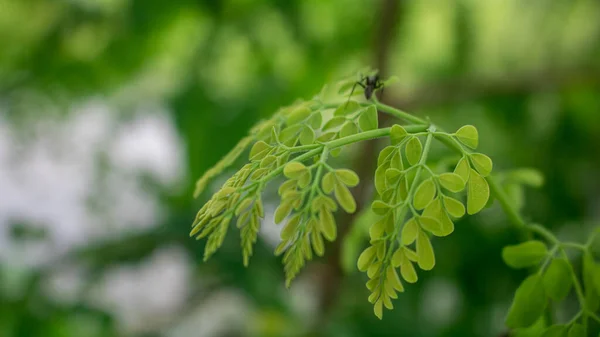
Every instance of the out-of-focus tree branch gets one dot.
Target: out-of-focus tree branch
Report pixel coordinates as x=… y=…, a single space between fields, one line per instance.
x=458 y=90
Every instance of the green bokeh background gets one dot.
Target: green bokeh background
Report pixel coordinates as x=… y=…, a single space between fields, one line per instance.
x=525 y=73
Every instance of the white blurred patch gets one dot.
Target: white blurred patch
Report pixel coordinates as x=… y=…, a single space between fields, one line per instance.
x=146 y=296
x=441 y=303
x=79 y=177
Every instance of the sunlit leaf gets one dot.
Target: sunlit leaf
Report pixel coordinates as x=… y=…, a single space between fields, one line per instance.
x=452 y=182
x=347 y=177
x=294 y=170
x=483 y=164
x=454 y=207
x=413 y=150
x=426 y=257
x=368 y=119
x=397 y=134
x=478 y=193
x=424 y=194
x=468 y=135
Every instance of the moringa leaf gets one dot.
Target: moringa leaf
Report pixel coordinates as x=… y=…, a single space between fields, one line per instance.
x=452 y=182
x=468 y=135
x=397 y=134
x=454 y=207
x=347 y=177
x=478 y=193
x=483 y=164
x=525 y=254
x=557 y=279
x=413 y=150
x=368 y=119
x=528 y=304
x=424 y=194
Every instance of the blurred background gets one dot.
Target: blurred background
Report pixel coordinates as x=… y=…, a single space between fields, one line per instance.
x=110 y=109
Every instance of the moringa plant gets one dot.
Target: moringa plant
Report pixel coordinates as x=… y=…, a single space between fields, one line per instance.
x=414 y=201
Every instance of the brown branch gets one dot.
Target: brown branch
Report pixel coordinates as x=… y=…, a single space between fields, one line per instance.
x=331 y=275
x=473 y=88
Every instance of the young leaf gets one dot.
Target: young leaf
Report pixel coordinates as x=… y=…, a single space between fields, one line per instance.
x=316 y=120
x=380 y=207
x=307 y=136
x=482 y=163
x=328 y=182
x=408 y=272
x=294 y=170
x=298 y=115
x=327 y=225
x=347 y=108
x=426 y=257
x=430 y=224
x=334 y=123
x=366 y=258
x=368 y=119
x=290 y=227
x=468 y=135
x=525 y=254
x=259 y=150
x=345 y=198
x=478 y=193
x=348 y=129
x=424 y=194
x=283 y=211
x=557 y=279
x=409 y=232
x=347 y=177
x=463 y=169
x=397 y=134
x=413 y=150
x=454 y=207
x=528 y=304
x=452 y=182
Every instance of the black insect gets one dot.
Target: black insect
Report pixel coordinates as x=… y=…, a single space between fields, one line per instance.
x=369 y=84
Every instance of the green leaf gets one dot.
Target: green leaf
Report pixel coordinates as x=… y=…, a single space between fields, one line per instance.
x=327 y=225
x=392 y=176
x=397 y=134
x=307 y=136
x=452 y=182
x=430 y=224
x=379 y=207
x=577 y=330
x=368 y=119
x=528 y=304
x=408 y=272
x=426 y=257
x=345 y=198
x=590 y=274
x=468 y=135
x=327 y=137
x=482 y=163
x=259 y=150
x=334 y=123
x=316 y=120
x=409 y=232
x=435 y=210
x=328 y=182
x=478 y=193
x=348 y=129
x=454 y=207
x=424 y=194
x=294 y=170
x=525 y=254
x=555 y=331
x=290 y=227
x=526 y=176
x=413 y=150
x=347 y=108
x=283 y=211
x=463 y=169
x=347 y=177
x=385 y=155
x=298 y=115
x=557 y=279
x=366 y=258
x=378 y=309
x=380 y=183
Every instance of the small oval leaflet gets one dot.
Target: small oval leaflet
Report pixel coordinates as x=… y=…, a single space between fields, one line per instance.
x=557 y=279
x=347 y=108
x=478 y=193
x=397 y=134
x=468 y=135
x=298 y=115
x=482 y=163
x=345 y=198
x=380 y=207
x=409 y=232
x=424 y=194
x=348 y=129
x=528 y=304
x=454 y=207
x=347 y=177
x=452 y=182
x=334 y=123
x=463 y=169
x=259 y=150
x=426 y=257
x=365 y=258
x=525 y=254
x=294 y=170
x=368 y=119
x=413 y=150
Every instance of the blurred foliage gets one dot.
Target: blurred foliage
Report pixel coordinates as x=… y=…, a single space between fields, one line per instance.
x=526 y=74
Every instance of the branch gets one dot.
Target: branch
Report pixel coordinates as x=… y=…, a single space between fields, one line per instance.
x=472 y=88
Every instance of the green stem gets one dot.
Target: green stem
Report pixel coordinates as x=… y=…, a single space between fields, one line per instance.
x=399 y=113
x=543 y=232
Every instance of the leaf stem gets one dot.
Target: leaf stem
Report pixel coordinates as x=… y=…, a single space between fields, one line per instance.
x=399 y=113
